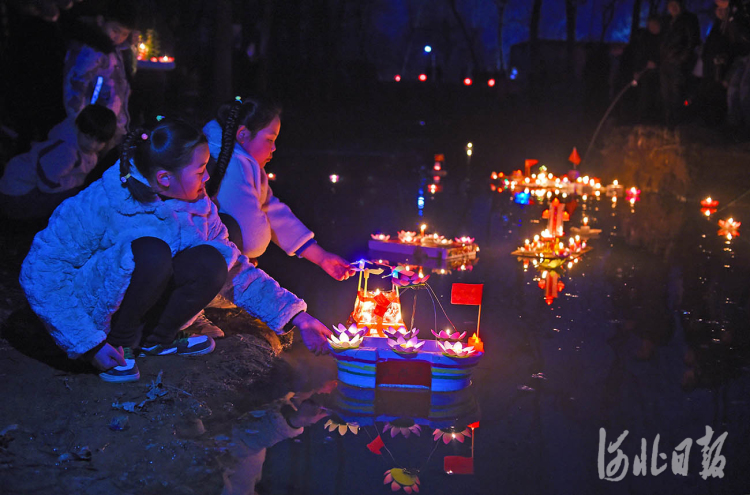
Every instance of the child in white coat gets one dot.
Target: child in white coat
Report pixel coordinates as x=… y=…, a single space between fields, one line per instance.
x=131 y=259
x=242 y=140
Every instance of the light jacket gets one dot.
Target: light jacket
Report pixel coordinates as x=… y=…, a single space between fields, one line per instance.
x=52 y=166
x=79 y=267
x=246 y=196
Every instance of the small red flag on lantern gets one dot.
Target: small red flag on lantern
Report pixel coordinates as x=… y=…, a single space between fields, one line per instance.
x=574 y=157
x=456 y=464
x=467 y=294
x=376 y=445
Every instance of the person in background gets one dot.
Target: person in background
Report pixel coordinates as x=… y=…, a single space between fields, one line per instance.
x=35 y=183
x=646 y=71
x=678 y=56
x=126 y=264
x=736 y=80
x=95 y=71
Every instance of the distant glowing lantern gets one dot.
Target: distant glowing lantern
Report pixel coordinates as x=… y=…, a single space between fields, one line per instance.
x=271 y=176
x=467 y=81
x=397 y=78
x=491 y=83
x=709 y=203
x=333 y=178
x=423 y=77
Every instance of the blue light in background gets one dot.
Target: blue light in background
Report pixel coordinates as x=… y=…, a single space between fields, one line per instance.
x=420 y=202
x=427 y=48
x=522 y=198
x=513 y=73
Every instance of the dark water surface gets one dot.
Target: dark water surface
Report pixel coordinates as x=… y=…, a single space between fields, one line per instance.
x=649 y=334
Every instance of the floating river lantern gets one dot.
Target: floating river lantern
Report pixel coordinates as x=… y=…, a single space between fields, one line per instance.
x=729 y=228
x=555 y=215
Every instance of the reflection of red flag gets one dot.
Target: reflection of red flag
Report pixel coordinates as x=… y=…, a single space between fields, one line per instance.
x=574 y=158
x=470 y=294
x=376 y=445
x=455 y=464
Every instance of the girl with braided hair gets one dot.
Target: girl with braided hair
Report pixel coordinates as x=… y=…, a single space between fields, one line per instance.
x=130 y=260
x=242 y=139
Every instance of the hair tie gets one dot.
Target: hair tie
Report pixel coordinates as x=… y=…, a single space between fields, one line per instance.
x=125 y=178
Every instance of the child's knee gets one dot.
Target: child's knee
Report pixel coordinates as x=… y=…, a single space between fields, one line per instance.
x=212 y=265
x=153 y=256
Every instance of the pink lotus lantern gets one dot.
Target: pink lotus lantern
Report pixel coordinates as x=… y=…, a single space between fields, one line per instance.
x=343 y=342
x=352 y=331
x=402 y=426
x=403 y=277
x=402 y=478
x=447 y=435
x=380 y=237
x=710 y=203
x=395 y=333
x=407 y=237
x=448 y=335
x=404 y=346
x=464 y=240
x=456 y=349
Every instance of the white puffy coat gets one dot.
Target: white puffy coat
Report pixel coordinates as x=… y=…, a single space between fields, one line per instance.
x=79 y=267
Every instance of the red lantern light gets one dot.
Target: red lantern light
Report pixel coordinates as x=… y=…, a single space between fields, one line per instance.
x=397 y=78
x=423 y=77
x=467 y=81
x=491 y=83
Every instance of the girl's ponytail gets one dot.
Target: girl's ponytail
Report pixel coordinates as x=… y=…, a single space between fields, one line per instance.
x=140 y=191
x=168 y=146
x=229 y=114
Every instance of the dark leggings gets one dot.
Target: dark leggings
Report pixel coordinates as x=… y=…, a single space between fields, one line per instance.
x=233 y=228
x=165 y=292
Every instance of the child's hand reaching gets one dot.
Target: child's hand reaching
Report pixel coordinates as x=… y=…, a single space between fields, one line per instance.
x=337 y=267
x=332 y=264
x=108 y=357
x=313 y=332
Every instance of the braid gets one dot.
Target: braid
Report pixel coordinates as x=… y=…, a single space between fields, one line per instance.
x=139 y=191
x=228 y=135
